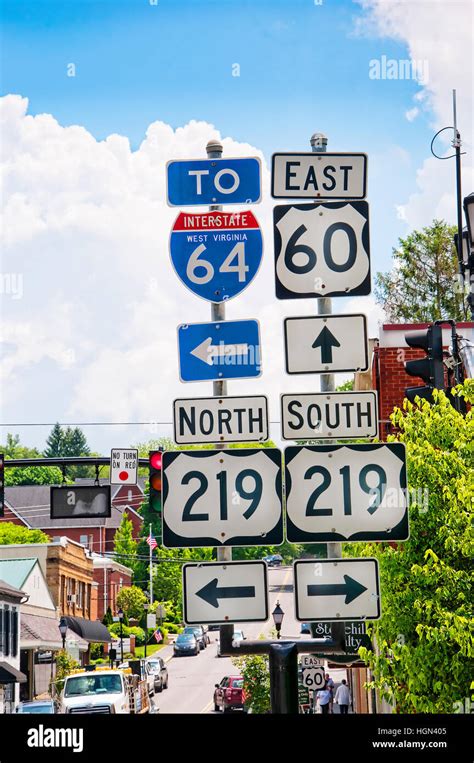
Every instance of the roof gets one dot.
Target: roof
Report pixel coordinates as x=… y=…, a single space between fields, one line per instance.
x=31 y=503
x=39 y=632
x=90 y=630
x=10 y=675
x=16 y=571
x=9 y=590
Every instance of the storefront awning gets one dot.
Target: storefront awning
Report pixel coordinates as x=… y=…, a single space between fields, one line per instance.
x=10 y=675
x=92 y=631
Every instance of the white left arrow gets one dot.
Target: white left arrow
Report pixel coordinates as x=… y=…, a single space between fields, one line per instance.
x=206 y=351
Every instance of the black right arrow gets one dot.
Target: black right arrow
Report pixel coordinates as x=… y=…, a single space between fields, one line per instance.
x=211 y=593
x=326 y=341
x=351 y=589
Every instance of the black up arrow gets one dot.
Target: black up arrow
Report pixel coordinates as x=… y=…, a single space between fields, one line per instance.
x=326 y=341
x=351 y=589
x=211 y=593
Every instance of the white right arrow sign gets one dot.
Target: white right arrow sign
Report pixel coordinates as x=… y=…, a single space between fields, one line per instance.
x=334 y=589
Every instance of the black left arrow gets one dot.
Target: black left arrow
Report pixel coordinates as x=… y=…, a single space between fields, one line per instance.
x=211 y=593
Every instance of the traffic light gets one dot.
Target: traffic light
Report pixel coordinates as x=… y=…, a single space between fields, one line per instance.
x=154 y=463
x=2 y=489
x=431 y=368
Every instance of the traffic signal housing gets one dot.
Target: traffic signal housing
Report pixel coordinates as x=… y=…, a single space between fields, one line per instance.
x=430 y=368
x=154 y=463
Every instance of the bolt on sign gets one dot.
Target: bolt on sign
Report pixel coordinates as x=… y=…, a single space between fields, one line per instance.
x=123 y=466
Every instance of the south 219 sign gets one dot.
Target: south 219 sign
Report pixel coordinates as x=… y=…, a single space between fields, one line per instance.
x=322 y=250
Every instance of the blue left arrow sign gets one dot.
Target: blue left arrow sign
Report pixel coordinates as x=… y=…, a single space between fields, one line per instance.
x=219 y=350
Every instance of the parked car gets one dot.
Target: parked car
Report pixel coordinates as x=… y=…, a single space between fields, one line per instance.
x=201 y=636
x=37 y=706
x=104 y=692
x=185 y=644
x=274 y=560
x=159 y=672
x=237 y=637
x=229 y=694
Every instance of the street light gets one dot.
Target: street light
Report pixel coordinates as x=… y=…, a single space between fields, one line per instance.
x=63 y=630
x=146 y=607
x=120 y=617
x=278 y=616
x=469 y=213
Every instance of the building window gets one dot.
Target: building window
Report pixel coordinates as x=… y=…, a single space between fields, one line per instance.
x=6 y=630
x=80 y=589
x=84 y=540
x=2 y=640
x=14 y=632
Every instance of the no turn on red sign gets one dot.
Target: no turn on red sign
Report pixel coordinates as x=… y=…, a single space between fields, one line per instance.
x=123 y=466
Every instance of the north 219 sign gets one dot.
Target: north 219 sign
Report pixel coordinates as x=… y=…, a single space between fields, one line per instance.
x=226 y=497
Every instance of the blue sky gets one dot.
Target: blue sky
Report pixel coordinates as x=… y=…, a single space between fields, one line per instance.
x=303 y=68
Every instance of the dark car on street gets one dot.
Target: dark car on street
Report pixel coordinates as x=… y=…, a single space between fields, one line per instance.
x=229 y=694
x=274 y=560
x=201 y=636
x=185 y=644
x=159 y=672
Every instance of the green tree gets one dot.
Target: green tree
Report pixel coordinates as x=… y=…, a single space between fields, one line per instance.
x=125 y=546
x=254 y=670
x=423 y=284
x=29 y=475
x=108 y=618
x=424 y=658
x=346 y=386
x=131 y=600
x=11 y=533
x=54 y=443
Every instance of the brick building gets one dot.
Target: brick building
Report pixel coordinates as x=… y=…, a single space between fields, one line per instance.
x=109 y=577
x=387 y=373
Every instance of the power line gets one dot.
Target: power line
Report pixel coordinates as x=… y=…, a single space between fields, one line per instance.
x=95 y=424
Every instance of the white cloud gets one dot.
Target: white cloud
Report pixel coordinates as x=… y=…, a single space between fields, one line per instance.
x=412 y=114
x=439 y=34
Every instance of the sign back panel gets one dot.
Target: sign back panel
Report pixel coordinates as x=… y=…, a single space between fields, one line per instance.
x=80 y=502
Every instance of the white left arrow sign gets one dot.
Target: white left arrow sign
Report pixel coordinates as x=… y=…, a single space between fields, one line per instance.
x=233 y=592
x=206 y=351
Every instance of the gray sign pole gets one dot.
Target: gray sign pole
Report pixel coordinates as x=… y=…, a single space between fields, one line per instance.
x=219 y=388
x=319 y=143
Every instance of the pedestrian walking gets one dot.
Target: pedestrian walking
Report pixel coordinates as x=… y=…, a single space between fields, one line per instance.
x=343 y=697
x=330 y=685
x=324 y=698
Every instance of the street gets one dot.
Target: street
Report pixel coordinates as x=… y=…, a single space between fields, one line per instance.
x=192 y=679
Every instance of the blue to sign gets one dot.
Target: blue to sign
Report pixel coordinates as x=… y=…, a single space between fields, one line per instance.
x=219 y=350
x=214 y=181
x=216 y=254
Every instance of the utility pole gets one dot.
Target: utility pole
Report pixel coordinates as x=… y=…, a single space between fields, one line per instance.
x=219 y=388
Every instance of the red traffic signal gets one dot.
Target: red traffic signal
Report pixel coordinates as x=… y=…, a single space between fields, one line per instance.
x=154 y=462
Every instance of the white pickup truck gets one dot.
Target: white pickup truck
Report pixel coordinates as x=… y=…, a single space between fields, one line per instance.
x=104 y=691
